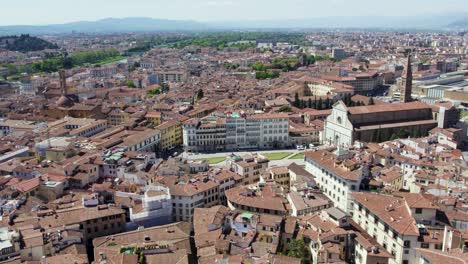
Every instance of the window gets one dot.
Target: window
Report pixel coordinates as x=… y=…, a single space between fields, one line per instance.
x=418 y=210
x=424 y=245
x=407 y=244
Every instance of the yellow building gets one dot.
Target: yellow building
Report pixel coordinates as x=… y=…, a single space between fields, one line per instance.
x=281 y=176
x=117 y=117
x=154 y=118
x=171 y=134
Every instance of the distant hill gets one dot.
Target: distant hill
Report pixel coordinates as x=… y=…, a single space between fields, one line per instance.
x=109 y=25
x=144 y=24
x=462 y=23
x=25 y=43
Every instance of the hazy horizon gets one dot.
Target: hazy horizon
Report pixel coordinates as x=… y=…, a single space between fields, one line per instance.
x=47 y=12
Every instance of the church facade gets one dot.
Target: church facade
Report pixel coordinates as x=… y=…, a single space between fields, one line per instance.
x=376 y=123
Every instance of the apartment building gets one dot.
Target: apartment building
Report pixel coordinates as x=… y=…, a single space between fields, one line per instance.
x=201 y=191
x=11 y=126
x=104 y=71
x=398 y=223
x=208 y=134
x=146 y=140
x=79 y=127
x=171 y=134
x=237 y=132
x=257 y=131
x=117 y=117
x=119 y=163
x=280 y=175
x=249 y=167
x=336 y=177
x=96 y=221
x=171 y=76
x=362 y=83
x=257 y=198
x=154 y=117
x=305 y=204
x=160 y=244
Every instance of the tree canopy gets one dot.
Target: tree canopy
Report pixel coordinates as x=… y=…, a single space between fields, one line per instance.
x=26 y=43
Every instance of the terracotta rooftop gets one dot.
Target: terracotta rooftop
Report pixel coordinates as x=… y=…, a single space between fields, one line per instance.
x=391 y=210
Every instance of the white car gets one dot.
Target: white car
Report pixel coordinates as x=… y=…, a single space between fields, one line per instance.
x=300 y=147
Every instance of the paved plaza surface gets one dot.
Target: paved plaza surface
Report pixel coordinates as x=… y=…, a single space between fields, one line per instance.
x=287 y=160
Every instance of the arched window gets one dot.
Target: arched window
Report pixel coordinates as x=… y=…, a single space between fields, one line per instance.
x=338 y=119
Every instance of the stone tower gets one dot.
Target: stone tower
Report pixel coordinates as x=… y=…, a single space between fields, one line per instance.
x=63 y=82
x=406 y=82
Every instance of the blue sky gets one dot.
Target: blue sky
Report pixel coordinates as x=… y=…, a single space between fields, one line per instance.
x=21 y=12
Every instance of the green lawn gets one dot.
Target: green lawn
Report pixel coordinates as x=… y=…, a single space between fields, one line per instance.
x=276 y=155
x=298 y=156
x=463 y=113
x=110 y=60
x=215 y=160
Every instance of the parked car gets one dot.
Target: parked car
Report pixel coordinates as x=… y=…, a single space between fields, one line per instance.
x=300 y=147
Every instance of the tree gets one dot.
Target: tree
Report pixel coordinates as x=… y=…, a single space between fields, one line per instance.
x=298 y=249
x=416 y=133
x=371 y=101
x=67 y=62
x=384 y=135
x=375 y=135
x=309 y=103
x=346 y=99
x=297 y=102
x=402 y=133
x=393 y=137
x=303 y=104
x=320 y=104
x=285 y=108
x=327 y=103
x=154 y=91
x=200 y=94
x=131 y=84
x=258 y=66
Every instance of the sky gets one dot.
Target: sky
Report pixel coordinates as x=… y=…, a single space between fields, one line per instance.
x=40 y=12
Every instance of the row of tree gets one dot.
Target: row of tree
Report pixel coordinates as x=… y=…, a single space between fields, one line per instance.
x=262 y=75
x=64 y=61
x=241 y=40
x=347 y=100
x=319 y=104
